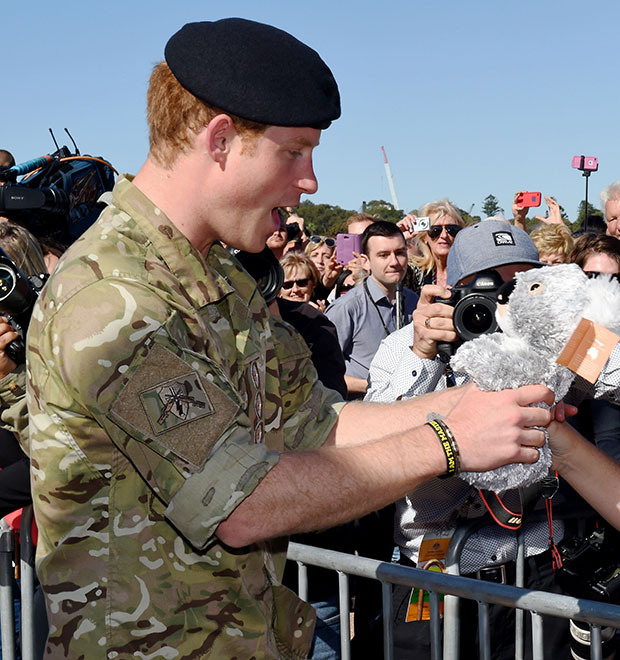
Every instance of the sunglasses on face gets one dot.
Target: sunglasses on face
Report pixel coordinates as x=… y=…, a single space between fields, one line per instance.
x=435 y=231
x=301 y=283
x=330 y=242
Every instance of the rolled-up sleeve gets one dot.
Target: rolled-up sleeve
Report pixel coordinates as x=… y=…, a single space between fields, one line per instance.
x=183 y=428
x=208 y=497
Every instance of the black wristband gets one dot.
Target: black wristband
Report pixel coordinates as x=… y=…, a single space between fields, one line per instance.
x=449 y=446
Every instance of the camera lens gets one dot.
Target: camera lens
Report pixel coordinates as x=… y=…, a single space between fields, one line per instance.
x=7 y=281
x=474 y=315
x=477 y=318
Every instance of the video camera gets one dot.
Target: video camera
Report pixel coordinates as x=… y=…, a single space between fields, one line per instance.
x=18 y=294
x=57 y=196
x=474 y=305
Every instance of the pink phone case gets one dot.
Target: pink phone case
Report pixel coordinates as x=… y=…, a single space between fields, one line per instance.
x=346 y=245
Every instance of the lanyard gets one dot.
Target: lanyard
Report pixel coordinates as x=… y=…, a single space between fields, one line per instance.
x=387 y=332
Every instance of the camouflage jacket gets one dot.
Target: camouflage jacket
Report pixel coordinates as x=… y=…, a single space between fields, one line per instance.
x=13 y=411
x=160 y=394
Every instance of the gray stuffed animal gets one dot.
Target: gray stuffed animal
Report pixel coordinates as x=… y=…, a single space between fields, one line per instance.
x=541 y=314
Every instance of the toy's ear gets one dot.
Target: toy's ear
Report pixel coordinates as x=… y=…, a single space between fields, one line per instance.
x=603 y=302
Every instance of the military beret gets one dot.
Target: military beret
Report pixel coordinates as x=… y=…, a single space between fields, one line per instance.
x=254 y=71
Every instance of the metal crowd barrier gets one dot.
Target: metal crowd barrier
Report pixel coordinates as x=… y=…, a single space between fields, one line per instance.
x=26 y=574
x=538 y=603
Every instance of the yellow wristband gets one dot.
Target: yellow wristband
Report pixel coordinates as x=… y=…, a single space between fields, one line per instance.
x=449 y=446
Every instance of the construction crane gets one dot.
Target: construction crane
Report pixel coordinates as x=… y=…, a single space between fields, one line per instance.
x=388 y=173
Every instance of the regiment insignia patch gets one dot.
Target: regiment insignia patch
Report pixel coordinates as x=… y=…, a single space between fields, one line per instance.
x=166 y=400
x=175 y=402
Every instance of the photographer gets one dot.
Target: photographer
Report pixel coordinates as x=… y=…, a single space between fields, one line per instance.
x=24 y=251
x=407 y=365
x=429 y=267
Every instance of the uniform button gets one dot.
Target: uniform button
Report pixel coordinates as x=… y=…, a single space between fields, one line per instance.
x=493 y=557
x=415 y=373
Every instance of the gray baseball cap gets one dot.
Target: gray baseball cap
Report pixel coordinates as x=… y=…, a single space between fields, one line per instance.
x=489 y=244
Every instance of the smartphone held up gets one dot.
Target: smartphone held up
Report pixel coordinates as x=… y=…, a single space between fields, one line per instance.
x=585 y=163
x=527 y=199
x=346 y=245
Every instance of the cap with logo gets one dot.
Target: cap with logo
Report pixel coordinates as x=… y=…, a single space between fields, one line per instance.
x=254 y=71
x=489 y=244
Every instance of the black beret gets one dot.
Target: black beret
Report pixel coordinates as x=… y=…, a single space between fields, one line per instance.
x=254 y=71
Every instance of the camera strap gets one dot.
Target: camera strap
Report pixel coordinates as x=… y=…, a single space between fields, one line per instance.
x=550 y=485
x=502 y=514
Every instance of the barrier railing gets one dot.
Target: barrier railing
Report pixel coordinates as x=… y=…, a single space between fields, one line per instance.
x=7 y=574
x=538 y=603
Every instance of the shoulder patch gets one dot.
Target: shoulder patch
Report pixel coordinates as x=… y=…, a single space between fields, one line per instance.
x=178 y=407
x=176 y=401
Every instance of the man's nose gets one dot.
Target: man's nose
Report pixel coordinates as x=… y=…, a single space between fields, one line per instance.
x=308 y=182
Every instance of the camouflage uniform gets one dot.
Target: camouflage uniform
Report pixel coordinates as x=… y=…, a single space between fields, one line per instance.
x=13 y=412
x=160 y=393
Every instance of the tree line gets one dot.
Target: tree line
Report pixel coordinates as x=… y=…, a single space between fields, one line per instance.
x=329 y=220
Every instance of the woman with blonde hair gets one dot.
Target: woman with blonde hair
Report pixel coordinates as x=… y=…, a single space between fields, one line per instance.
x=553 y=242
x=23 y=248
x=429 y=267
x=322 y=251
x=301 y=278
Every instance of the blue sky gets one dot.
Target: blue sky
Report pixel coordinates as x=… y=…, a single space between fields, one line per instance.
x=468 y=98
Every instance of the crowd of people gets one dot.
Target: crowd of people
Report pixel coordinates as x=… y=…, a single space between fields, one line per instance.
x=385 y=363
x=179 y=428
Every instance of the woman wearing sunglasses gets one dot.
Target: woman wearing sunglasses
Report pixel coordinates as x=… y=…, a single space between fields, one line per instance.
x=322 y=251
x=429 y=267
x=300 y=279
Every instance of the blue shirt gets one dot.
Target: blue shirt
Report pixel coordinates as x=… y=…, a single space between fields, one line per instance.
x=363 y=318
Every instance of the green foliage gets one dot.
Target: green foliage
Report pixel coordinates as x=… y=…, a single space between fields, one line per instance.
x=328 y=220
x=490 y=206
x=324 y=219
x=382 y=209
x=469 y=219
x=592 y=212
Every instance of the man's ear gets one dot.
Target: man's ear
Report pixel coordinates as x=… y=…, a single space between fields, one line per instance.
x=219 y=135
x=365 y=261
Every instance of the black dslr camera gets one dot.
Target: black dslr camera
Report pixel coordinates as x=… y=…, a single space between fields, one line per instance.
x=590 y=566
x=265 y=269
x=18 y=294
x=474 y=308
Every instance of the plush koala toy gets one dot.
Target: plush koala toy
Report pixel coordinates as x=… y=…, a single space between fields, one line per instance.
x=540 y=316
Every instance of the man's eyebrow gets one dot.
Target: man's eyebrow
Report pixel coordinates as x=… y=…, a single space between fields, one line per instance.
x=302 y=142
